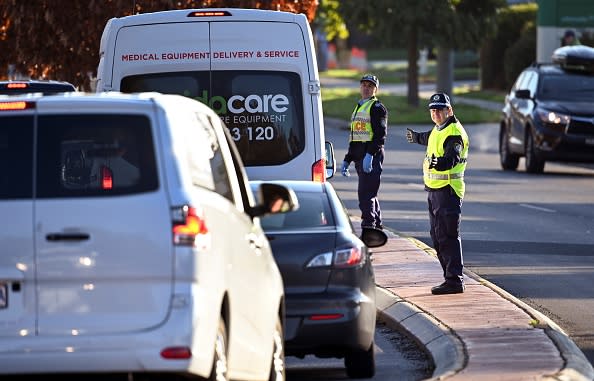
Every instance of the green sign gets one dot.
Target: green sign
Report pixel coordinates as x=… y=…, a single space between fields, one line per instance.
x=566 y=13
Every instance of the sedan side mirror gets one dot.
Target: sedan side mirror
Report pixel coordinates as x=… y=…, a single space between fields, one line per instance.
x=373 y=237
x=523 y=94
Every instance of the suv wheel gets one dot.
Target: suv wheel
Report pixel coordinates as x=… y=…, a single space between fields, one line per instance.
x=509 y=161
x=360 y=364
x=219 y=364
x=533 y=163
x=277 y=369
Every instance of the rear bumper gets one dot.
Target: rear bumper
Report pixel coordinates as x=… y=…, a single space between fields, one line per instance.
x=113 y=353
x=352 y=329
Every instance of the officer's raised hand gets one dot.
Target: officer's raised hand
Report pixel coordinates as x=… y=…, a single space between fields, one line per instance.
x=345 y=169
x=367 y=163
x=437 y=162
x=411 y=136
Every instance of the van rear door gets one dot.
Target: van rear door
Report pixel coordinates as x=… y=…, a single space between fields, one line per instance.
x=265 y=81
x=102 y=225
x=162 y=48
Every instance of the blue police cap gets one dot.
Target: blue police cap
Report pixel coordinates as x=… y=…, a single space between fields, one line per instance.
x=439 y=100
x=370 y=78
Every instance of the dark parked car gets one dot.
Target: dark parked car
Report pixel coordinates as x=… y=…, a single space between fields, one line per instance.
x=549 y=112
x=328 y=278
x=35 y=86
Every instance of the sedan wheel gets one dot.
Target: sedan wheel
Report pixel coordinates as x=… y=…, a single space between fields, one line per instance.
x=533 y=163
x=360 y=364
x=509 y=161
x=277 y=369
x=219 y=365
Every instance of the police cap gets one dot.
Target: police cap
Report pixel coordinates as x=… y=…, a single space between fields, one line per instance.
x=439 y=101
x=370 y=78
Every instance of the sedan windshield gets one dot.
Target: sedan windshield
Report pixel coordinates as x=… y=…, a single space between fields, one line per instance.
x=314 y=213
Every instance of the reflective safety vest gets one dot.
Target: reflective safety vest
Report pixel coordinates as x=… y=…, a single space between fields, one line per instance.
x=361 y=130
x=454 y=177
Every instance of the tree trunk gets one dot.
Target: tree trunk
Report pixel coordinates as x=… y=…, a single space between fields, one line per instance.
x=412 y=77
x=445 y=70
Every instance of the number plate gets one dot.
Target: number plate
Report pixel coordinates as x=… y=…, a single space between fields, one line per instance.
x=3 y=295
x=590 y=142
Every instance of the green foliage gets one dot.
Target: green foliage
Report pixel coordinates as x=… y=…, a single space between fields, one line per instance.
x=520 y=55
x=49 y=39
x=511 y=22
x=331 y=20
x=339 y=103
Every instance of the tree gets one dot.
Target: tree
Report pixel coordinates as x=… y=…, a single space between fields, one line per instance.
x=59 y=39
x=447 y=23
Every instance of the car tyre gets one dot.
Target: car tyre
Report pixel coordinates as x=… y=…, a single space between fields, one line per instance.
x=509 y=161
x=533 y=163
x=278 y=366
x=360 y=363
x=219 y=363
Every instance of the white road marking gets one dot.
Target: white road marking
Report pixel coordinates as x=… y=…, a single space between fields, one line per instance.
x=538 y=208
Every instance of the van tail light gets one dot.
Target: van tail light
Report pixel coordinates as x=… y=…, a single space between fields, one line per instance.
x=176 y=353
x=16 y=105
x=17 y=85
x=189 y=227
x=209 y=14
x=106 y=178
x=318 y=171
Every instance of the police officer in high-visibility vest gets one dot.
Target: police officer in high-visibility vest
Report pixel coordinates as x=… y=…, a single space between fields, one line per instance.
x=443 y=174
x=367 y=137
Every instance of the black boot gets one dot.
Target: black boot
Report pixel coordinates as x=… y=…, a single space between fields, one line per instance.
x=447 y=288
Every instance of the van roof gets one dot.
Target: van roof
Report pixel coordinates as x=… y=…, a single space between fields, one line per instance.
x=83 y=99
x=230 y=14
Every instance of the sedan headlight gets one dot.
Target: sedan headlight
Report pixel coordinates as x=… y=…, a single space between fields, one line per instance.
x=553 y=117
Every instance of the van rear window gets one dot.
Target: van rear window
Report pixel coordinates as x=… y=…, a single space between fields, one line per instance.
x=16 y=156
x=94 y=155
x=262 y=109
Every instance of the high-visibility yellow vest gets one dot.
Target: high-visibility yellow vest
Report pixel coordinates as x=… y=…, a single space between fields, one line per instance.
x=454 y=177
x=361 y=130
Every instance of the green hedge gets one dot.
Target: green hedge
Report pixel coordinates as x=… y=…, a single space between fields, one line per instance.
x=515 y=29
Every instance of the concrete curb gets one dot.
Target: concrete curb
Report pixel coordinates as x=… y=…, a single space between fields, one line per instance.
x=439 y=341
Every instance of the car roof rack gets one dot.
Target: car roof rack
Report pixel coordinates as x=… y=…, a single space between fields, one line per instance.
x=575 y=58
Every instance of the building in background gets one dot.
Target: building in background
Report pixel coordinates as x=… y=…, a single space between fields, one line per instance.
x=557 y=16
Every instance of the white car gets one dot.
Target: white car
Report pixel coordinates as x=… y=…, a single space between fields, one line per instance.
x=131 y=242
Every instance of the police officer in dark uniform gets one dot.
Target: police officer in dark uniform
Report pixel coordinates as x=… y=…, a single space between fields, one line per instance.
x=443 y=175
x=369 y=126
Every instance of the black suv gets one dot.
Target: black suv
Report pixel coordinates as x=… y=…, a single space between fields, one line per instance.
x=35 y=86
x=549 y=112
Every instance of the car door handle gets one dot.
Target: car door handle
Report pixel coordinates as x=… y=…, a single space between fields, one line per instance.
x=67 y=237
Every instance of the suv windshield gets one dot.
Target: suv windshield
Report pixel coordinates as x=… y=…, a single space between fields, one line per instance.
x=567 y=87
x=263 y=110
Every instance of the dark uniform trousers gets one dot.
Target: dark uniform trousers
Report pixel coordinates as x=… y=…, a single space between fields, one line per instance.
x=445 y=208
x=368 y=187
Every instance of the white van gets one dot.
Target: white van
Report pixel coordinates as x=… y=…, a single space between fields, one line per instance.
x=255 y=68
x=129 y=234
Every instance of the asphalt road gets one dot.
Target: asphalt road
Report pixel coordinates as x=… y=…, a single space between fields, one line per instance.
x=396 y=358
x=532 y=235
